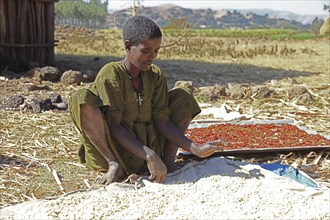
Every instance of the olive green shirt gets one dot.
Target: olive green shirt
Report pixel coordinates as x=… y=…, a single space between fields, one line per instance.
x=113 y=92
x=115 y=89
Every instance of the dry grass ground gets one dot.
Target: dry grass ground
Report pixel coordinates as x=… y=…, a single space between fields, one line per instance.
x=38 y=152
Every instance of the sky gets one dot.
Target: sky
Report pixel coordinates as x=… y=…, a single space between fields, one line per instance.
x=304 y=7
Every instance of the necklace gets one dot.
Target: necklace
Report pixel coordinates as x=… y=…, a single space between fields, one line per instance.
x=137 y=89
x=128 y=72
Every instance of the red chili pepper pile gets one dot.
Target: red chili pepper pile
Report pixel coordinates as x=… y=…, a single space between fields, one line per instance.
x=256 y=136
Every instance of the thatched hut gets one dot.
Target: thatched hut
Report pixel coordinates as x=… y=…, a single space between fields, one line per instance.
x=325 y=28
x=27 y=30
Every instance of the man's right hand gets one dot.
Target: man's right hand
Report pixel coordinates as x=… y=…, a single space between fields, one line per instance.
x=156 y=168
x=203 y=150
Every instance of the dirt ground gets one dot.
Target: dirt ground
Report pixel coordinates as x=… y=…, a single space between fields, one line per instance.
x=33 y=145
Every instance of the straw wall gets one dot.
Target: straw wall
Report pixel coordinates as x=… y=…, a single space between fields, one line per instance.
x=27 y=30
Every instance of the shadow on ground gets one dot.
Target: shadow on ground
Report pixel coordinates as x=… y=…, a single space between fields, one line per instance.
x=11 y=161
x=201 y=73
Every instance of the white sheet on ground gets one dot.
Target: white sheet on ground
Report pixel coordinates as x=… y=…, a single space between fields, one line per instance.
x=217 y=188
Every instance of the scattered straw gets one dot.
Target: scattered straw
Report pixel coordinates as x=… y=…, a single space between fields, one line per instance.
x=57 y=179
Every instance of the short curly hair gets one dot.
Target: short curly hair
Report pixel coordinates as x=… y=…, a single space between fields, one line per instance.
x=139 y=28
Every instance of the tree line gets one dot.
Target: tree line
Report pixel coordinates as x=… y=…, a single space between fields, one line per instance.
x=84 y=13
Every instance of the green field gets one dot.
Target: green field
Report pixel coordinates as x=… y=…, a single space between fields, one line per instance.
x=267 y=33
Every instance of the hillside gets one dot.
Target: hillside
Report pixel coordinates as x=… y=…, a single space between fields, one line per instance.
x=304 y=19
x=208 y=18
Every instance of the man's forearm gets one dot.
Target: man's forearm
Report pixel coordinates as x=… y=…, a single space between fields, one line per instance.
x=173 y=134
x=92 y=125
x=130 y=143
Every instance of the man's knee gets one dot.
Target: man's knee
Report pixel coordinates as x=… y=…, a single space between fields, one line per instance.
x=183 y=105
x=183 y=93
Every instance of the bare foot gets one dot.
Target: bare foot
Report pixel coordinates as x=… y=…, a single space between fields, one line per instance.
x=115 y=174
